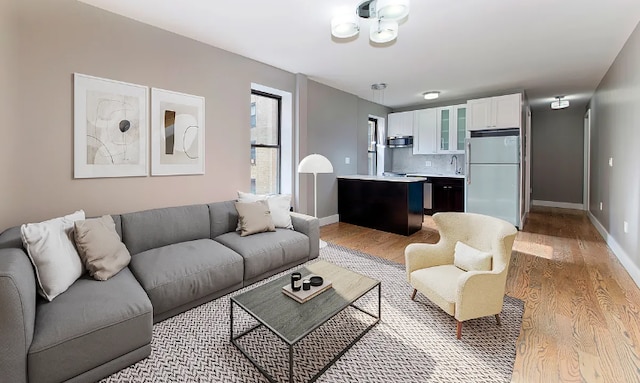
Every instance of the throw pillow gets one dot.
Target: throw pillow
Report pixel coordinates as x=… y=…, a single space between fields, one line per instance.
x=50 y=247
x=101 y=250
x=254 y=217
x=469 y=259
x=279 y=205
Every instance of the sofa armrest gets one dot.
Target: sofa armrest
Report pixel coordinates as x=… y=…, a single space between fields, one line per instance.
x=422 y=255
x=18 y=313
x=310 y=226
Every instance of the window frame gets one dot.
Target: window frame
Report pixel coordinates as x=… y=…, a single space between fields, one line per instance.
x=278 y=145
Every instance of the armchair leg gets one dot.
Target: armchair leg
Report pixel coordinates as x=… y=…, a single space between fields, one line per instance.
x=498 y=319
x=413 y=295
x=459 y=330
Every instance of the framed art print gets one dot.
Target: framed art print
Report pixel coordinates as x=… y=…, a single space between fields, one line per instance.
x=110 y=129
x=177 y=133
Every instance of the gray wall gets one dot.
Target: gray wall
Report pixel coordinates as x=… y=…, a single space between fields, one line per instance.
x=56 y=39
x=336 y=128
x=557 y=155
x=615 y=132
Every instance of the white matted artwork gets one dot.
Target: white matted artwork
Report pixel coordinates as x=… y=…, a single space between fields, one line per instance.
x=110 y=130
x=177 y=133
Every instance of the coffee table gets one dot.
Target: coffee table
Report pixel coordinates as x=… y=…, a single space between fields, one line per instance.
x=292 y=321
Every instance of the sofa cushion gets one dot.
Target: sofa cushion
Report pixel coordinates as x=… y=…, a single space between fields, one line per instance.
x=254 y=217
x=267 y=251
x=100 y=248
x=92 y=323
x=180 y=273
x=50 y=246
x=149 y=229
x=224 y=217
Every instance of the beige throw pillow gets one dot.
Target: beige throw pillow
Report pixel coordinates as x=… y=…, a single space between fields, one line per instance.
x=100 y=248
x=469 y=259
x=279 y=205
x=254 y=217
x=50 y=247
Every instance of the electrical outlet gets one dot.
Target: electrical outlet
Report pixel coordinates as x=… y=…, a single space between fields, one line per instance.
x=600 y=205
x=427 y=163
x=347 y=160
x=611 y=161
x=625 y=226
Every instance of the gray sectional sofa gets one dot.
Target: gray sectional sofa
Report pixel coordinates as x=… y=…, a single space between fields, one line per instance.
x=181 y=257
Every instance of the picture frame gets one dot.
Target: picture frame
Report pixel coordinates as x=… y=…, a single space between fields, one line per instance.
x=110 y=128
x=177 y=133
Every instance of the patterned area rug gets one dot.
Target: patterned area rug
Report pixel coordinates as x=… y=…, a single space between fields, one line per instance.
x=414 y=342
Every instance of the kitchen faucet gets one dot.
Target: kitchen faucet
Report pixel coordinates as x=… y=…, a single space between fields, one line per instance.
x=454 y=162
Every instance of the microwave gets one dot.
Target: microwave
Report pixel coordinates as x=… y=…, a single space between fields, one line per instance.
x=400 y=141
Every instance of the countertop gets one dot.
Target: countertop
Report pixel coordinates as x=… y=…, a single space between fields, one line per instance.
x=436 y=175
x=383 y=178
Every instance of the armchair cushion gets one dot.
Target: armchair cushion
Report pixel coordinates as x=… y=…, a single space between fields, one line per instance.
x=439 y=284
x=467 y=258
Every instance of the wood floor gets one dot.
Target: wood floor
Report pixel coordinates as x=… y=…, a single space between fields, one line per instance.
x=582 y=309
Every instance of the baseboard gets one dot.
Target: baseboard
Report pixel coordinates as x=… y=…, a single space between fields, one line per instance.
x=563 y=205
x=623 y=257
x=329 y=220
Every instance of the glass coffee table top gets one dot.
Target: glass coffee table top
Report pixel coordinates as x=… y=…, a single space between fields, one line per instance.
x=291 y=320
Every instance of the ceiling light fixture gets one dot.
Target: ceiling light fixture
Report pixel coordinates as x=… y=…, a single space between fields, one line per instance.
x=431 y=95
x=559 y=103
x=378 y=88
x=385 y=15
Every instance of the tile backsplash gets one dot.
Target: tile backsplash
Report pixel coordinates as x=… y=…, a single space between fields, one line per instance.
x=404 y=161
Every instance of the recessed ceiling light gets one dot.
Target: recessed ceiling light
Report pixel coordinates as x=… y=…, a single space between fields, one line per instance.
x=559 y=103
x=431 y=95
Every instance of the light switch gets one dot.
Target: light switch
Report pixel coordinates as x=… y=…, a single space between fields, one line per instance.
x=347 y=160
x=600 y=205
x=625 y=226
x=611 y=161
x=427 y=163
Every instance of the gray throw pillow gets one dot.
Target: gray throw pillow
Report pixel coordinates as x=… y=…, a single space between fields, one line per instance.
x=254 y=217
x=100 y=248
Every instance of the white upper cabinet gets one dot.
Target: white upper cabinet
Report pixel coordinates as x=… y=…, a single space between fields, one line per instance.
x=494 y=112
x=400 y=124
x=424 y=131
x=451 y=128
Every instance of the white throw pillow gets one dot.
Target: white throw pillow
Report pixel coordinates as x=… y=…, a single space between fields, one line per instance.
x=279 y=205
x=467 y=258
x=51 y=248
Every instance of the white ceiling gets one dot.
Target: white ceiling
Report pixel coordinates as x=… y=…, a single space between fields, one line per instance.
x=461 y=47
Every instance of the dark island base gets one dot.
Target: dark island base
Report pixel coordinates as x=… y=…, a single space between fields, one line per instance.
x=395 y=207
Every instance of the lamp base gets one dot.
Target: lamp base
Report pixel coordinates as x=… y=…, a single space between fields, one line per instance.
x=323 y=244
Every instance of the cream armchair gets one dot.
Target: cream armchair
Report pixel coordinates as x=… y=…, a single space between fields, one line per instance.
x=462 y=294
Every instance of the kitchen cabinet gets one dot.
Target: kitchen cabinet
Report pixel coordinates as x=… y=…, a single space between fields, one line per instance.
x=447 y=195
x=424 y=131
x=451 y=129
x=400 y=124
x=495 y=112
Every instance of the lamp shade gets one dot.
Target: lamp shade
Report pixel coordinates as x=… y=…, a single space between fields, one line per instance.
x=392 y=9
x=344 y=26
x=383 y=31
x=315 y=163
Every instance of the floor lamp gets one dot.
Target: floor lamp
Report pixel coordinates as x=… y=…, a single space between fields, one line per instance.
x=315 y=163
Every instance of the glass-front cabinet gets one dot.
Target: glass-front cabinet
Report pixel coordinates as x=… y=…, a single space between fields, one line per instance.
x=451 y=128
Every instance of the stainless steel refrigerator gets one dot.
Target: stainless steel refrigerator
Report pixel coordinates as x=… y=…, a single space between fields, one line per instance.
x=493 y=174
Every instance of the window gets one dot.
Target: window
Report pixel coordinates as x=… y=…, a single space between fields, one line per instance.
x=265 y=143
x=371 y=147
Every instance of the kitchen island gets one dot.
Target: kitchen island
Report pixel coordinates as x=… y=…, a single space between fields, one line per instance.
x=393 y=204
